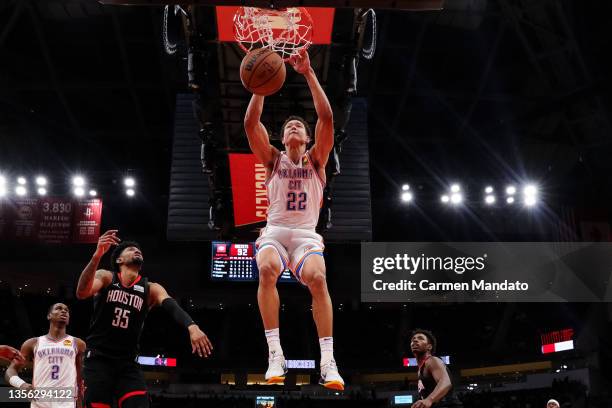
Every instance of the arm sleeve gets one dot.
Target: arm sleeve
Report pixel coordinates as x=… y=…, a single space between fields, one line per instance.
x=179 y=315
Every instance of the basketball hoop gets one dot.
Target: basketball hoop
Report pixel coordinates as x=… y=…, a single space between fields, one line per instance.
x=285 y=31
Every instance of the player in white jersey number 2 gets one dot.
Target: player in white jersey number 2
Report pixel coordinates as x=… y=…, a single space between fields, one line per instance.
x=57 y=359
x=295 y=182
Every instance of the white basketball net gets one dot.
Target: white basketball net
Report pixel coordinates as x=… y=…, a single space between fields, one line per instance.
x=286 y=31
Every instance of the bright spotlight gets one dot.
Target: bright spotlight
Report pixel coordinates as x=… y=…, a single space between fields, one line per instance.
x=510 y=200
x=41 y=181
x=22 y=181
x=78 y=181
x=129 y=182
x=530 y=201
x=488 y=189
x=2 y=180
x=79 y=191
x=530 y=190
x=455 y=188
x=21 y=191
x=2 y=190
x=130 y=192
x=42 y=191
x=510 y=190
x=407 y=197
x=445 y=199
x=93 y=193
x=456 y=198
x=490 y=199
x=405 y=187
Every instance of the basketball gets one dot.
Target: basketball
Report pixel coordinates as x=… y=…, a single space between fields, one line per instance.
x=262 y=72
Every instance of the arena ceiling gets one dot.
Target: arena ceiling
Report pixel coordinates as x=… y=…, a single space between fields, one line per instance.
x=482 y=90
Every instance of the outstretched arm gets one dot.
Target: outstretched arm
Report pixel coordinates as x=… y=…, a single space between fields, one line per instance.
x=158 y=296
x=12 y=372
x=9 y=353
x=92 y=280
x=324 y=131
x=259 y=140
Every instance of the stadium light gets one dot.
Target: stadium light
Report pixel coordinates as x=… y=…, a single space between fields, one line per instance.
x=21 y=191
x=129 y=182
x=455 y=188
x=2 y=186
x=79 y=191
x=489 y=189
x=21 y=181
x=490 y=199
x=530 y=194
x=530 y=190
x=42 y=191
x=407 y=197
x=510 y=200
x=445 y=199
x=510 y=190
x=456 y=198
x=41 y=181
x=405 y=187
x=530 y=201
x=130 y=192
x=93 y=193
x=78 y=181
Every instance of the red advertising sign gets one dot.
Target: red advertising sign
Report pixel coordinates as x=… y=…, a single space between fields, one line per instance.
x=50 y=220
x=25 y=219
x=248 y=189
x=55 y=220
x=87 y=217
x=322 y=18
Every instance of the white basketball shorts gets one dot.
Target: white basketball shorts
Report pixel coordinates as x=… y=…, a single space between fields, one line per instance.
x=293 y=246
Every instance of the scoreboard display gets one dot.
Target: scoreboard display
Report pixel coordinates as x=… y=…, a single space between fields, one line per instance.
x=235 y=262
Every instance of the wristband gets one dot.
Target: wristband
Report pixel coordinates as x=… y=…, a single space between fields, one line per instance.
x=16 y=382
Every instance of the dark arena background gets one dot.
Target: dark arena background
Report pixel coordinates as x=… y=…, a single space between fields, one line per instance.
x=128 y=115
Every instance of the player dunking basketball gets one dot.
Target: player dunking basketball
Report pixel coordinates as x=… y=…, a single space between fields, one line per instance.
x=122 y=299
x=435 y=387
x=295 y=182
x=57 y=359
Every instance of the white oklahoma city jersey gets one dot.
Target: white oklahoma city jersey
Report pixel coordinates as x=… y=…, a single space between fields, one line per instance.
x=295 y=193
x=55 y=366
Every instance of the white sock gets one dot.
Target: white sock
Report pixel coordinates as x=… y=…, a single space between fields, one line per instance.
x=327 y=349
x=274 y=346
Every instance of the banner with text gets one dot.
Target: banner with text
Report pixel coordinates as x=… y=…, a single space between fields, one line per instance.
x=50 y=220
x=486 y=272
x=248 y=189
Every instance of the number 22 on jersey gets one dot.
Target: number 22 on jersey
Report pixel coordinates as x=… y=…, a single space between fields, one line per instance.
x=296 y=201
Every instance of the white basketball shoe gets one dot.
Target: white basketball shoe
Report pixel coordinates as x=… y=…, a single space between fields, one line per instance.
x=277 y=370
x=330 y=378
